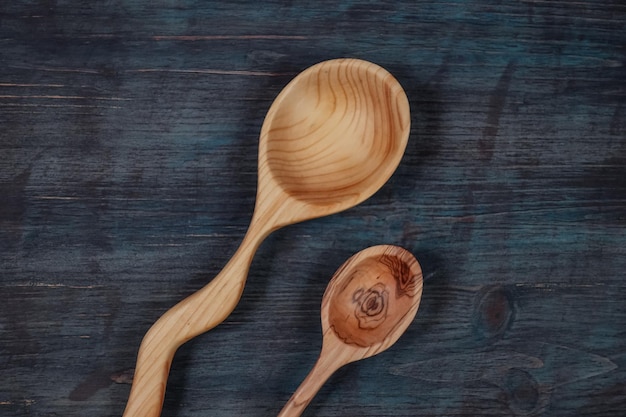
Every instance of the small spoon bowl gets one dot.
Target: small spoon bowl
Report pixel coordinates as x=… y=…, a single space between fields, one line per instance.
x=367 y=306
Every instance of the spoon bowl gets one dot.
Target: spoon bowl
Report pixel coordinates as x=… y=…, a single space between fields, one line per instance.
x=367 y=306
x=371 y=301
x=330 y=140
x=333 y=136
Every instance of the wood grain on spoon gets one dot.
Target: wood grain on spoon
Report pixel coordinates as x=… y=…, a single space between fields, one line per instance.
x=367 y=306
x=331 y=139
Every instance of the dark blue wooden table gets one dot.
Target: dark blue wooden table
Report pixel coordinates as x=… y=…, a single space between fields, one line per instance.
x=128 y=142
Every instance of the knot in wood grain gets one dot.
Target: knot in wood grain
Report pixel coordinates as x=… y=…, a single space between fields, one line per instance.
x=493 y=313
x=522 y=391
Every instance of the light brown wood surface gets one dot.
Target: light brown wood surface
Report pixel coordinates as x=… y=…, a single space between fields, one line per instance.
x=330 y=140
x=370 y=301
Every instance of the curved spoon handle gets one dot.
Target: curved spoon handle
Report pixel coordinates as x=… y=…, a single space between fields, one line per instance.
x=326 y=365
x=191 y=317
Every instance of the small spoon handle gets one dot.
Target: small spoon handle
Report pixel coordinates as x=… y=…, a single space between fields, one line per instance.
x=326 y=365
x=194 y=315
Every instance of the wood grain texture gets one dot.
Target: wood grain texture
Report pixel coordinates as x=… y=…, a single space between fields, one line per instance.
x=127 y=180
x=369 y=303
x=331 y=139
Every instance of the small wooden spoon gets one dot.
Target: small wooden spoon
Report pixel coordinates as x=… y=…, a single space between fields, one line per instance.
x=368 y=304
x=331 y=139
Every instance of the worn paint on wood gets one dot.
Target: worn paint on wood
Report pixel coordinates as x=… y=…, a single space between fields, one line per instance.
x=127 y=179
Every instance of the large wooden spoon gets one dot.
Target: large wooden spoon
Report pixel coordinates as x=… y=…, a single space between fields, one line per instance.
x=368 y=304
x=331 y=139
